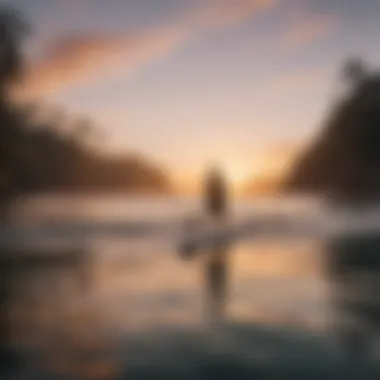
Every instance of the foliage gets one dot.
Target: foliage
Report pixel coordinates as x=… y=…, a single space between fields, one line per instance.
x=37 y=155
x=344 y=160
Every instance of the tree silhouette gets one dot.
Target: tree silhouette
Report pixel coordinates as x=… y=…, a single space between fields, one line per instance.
x=13 y=30
x=343 y=164
x=54 y=152
x=355 y=70
x=344 y=160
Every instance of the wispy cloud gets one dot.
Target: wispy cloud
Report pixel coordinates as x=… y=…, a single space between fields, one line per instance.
x=78 y=59
x=307 y=28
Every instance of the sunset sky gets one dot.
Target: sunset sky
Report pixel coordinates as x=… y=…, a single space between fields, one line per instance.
x=189 y=82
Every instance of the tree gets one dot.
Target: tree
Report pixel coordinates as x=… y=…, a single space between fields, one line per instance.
x=355 y=70
x=13 y=30
x=344 y=159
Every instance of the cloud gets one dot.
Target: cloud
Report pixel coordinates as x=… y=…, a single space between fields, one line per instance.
x=307 y=28
x=81 y=58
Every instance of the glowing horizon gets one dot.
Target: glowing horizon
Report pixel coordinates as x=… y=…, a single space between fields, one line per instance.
x=188 y=82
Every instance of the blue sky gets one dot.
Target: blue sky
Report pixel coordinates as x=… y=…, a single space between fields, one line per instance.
x=193 y=81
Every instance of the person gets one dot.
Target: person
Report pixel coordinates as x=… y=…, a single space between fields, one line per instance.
x=216 y=194
x=216 y=269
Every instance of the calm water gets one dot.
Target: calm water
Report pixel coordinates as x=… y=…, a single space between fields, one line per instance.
x=139 y=280
x=138 y=307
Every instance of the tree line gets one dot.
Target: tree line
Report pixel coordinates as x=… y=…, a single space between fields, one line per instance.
x=51 y=153
x=343 y=161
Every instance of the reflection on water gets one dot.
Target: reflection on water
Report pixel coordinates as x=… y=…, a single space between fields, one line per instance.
x=79 y=308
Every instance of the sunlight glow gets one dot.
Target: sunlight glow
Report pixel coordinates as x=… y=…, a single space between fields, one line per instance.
x=237 y=173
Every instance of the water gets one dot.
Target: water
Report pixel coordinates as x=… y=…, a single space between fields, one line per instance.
x=141 y=280
x=138 y=281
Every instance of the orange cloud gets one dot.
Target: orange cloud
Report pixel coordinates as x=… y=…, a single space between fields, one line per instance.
x=308 y=28
x=79 y=59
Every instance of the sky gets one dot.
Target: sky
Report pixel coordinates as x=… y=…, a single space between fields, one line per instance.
x=243 y=83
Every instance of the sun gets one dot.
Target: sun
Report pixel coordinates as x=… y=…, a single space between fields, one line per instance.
x=237 y=174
